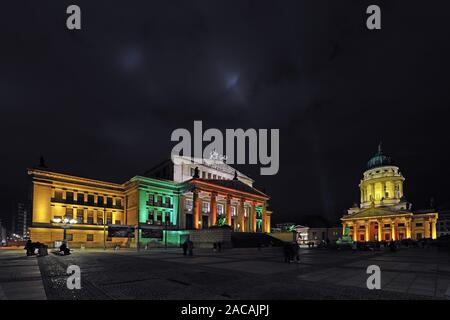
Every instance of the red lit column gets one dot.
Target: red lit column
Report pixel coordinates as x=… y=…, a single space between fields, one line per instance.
x=213 y=208
x=229 y=210
x=242 y=212
x=254 y=216
x=196 y=203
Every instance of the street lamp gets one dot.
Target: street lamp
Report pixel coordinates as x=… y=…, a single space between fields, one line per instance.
x=65 y=224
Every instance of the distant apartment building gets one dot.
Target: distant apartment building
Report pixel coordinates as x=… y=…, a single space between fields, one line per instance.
x=21 y=219
x=443 y=224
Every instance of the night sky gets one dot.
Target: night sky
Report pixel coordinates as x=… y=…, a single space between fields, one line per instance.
x=102 y=102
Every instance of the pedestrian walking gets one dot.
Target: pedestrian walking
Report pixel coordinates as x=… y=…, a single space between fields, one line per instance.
x=185 y=247
x=29 y=246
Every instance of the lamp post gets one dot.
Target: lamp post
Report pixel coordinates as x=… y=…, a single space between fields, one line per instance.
x=65 y=224
x=104 y=227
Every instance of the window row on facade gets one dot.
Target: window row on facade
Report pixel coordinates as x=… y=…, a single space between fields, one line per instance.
x=220 y=208
x=84 y=198
x=86 y=216
x=156 y=200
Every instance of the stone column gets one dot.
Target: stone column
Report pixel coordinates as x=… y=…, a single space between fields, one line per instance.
x=367 y=235
x=380 y=229
x=196 y=204
x=213 y=209
x=355 y=231
x=433 y=229
x=393 y=235
x=264 y=218
x=229 y=210
x=242 y=214
x=408 y=229
x=254 y=216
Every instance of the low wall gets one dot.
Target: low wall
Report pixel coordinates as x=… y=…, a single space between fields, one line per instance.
x=205 y=238
x=287 y=236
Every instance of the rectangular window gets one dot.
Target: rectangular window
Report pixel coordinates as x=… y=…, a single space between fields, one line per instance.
x=219 y=209
x=246 y=211
x=387 y=225
x=209 y=175
x=58 y=196
x=90 y=199
x=168 y=202
x=205 y=207
x=150 y=217
x=204 y=175
x=401 y=224
x=192 y=172
x=233 y=211
x=99 y=200
x=90 y=217
x=156 y=200
x=109 y=202
x=158 y=219
x=118 y=202
x=80 y=197
x=69 y=196
x=419 y=224
x=387 y=237
x=69 y=213
x=89 y=237
x=189 y=204
x=80 y=215
x=214 y=176
x=108 y=217
x=100 y=218
x=167 y=218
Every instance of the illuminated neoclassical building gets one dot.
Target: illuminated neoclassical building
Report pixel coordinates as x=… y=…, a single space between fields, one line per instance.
x=163 y=204
x=383 y=213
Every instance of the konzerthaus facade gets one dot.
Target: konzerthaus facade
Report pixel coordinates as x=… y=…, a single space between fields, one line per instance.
x=383 y=213
x=164 y=204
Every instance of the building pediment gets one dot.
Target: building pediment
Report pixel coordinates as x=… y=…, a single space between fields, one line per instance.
x=376 y=212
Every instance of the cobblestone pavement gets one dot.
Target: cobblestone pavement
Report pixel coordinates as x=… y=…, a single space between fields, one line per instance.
x=247 y=274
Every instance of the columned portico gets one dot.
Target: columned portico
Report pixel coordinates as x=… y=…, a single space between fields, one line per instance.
x=239 y=205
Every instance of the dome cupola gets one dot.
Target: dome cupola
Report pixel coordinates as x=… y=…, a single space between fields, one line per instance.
x=379 y=160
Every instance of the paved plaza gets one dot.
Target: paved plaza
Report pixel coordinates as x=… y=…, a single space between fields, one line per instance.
x=414 y=273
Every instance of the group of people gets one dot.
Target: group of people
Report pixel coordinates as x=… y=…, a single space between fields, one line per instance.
x=42 y=249
x=63 y=249
x=31 y=248
x=188 y=247
x=291 y=252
